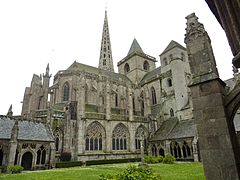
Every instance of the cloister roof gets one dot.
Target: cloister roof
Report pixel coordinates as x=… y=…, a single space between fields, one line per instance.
x=28 y=130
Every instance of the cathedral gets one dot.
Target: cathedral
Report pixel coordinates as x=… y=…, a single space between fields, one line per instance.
x=95 y=113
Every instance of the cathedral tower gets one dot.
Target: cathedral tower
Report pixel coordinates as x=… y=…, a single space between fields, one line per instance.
x=105 y=60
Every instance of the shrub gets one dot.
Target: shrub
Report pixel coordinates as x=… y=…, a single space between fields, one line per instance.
x=65 y=156
x=111 y=161
x=138 y=173
x=168 y=159
x=132 y=173
x=14 y=169
x=68 y=164
x=160 y=159
x=153 y=159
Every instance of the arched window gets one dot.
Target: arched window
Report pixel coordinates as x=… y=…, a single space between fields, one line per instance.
x=133 y=102
x=116 y=100
x=186 y=150
x=146 y=65
x=171 y=57
x=126 y=68
x=120 y=137
x=41 y=155
x=57 y=143
x=94 y=137
x=142 y=103
x=165 y=63
x=169 y=82
x=66 y=89
x=176 y=150
x=141 y=135
x=154 y=98
x=171 y=112
x=104 y=62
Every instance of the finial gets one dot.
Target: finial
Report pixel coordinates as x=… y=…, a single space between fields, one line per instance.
x=105 y=6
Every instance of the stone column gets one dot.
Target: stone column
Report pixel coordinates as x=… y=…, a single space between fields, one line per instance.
x=67 y=135
x=195 y=149
x=132 y=137
x=108 y=136
x=81 y=123
x=108 y=101
x=216 y=143
x=13 y=144
x=52 y=162
x=167 y=149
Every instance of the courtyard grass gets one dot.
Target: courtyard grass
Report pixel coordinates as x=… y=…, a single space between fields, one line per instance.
x=177 y=171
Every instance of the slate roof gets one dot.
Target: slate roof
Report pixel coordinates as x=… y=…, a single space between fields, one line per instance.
x=171 y=45
x=175 y=129
x=135 y=47
x=150 y=75
x=76 y=66
x=27 y=130
x=183 y=129
x=165 y=129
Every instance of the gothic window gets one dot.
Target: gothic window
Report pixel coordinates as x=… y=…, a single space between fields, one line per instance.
x=66 y=89
x=104 y=49
x=94 y=137
x=169 y=82
x=41 y=155
x=126 y=68
x=171 y=112
x=146 y=65
x=116 y=100
x=104 y=62
x=171 y=57
x=176 y=150
x=154 y=98
x=140 y=135
x=165 y=63
x=133 y=102
x=109 y=56
x=142 y=103
x=120 y=137
x=104 y=55
x=57 y=144
x=186 y=150
x=108 y=48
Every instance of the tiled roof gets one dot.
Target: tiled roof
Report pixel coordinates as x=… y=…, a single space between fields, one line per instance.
x=28 y=130
x=76 y=66
x=135 y=47
x=150 y=75
x=175 y=129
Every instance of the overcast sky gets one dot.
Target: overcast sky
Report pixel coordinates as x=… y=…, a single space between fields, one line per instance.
x=36 y=32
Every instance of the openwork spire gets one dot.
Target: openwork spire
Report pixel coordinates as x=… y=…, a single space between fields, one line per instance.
x=105 y=60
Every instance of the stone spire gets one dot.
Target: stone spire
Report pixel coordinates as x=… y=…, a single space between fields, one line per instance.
x=105 y=60
x=10 y=112
x=135 y=47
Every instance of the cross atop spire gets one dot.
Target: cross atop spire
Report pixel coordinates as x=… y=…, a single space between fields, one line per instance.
x=105 y=60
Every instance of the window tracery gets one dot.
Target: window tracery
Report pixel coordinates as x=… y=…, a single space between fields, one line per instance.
x=94 y=137
x=119 y=138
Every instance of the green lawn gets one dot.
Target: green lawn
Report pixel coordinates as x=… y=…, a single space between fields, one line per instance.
x=177 y=171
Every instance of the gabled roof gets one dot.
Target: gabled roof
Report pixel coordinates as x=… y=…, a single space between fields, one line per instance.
x=175 y=129
x=76 y=66
x=135 y=47
x=172 y=45
x=150 y=76
x=28 y=130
